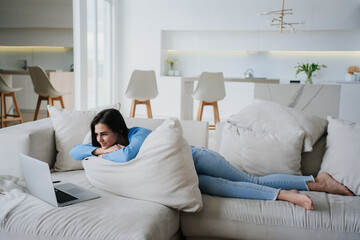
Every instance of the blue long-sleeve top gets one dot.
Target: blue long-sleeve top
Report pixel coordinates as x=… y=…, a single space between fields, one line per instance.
x=136 y=136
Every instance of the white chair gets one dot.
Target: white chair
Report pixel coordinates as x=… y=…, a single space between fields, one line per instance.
x=142 y=87
x=210 y=90
x=7 y=91
x=44 y=88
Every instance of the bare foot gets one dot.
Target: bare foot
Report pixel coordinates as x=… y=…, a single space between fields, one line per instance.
x=297 y=198
x=325 y=183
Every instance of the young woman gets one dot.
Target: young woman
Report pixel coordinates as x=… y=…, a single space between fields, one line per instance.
x=112 y=140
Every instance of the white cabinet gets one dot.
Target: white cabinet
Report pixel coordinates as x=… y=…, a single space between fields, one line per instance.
x=261 y=40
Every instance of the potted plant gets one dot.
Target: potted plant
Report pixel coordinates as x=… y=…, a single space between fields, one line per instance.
x=171 y=63
x=308 y=69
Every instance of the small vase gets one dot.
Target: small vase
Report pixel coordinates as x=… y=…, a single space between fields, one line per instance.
x=171 y=72
x=308 y=80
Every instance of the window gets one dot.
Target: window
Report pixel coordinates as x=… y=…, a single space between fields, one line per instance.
x=93 y=48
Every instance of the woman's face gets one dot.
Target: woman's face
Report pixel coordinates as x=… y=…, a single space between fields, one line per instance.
x=105 y=136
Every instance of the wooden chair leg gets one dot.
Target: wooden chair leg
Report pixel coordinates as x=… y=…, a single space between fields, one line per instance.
x=50 y=101
x=148 y=109
x=17 y=107
x=62 y=102
x=2 y=109
x=200 y=111
x=5 y=110
x=4 y=114
x=133 y=108
x=216 y=113
x=37 y=107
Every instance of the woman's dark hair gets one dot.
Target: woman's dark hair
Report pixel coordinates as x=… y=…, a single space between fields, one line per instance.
x=113 y=119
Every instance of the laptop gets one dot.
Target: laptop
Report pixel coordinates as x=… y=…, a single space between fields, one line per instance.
x=39 y=184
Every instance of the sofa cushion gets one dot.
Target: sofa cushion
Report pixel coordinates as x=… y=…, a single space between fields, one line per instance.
x=311 y=161
x=109 y=217
x=162 y=172
x=272 y=117
x=333 y=217
x=35 y=139
x=70 y=128
x=261 y=153
x=342 y=156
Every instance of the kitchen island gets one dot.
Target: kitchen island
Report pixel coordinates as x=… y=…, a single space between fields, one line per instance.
x=239 y=92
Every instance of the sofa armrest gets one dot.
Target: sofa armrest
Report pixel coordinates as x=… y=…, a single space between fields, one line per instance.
x=35 y=139
x=196 y=132
x=216 y=139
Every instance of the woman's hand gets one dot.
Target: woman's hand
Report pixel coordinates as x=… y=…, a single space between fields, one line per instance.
x=100 y=151
x=113 y=148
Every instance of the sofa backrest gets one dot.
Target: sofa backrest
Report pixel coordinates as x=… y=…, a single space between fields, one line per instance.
x=37 y=139
x=310 y=161
x=195 y=132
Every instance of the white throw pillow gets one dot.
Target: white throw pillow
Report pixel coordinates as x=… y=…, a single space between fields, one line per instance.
x=162 y=172
x=260 y=153
x=342 y=156
x=70 y=128
x=273 y=117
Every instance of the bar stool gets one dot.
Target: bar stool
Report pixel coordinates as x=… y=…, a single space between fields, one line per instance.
x=210 y=90
x=44 y=88
x=142 y=87
x=7 y=91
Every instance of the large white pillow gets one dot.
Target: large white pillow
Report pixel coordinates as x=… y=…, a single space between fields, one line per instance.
x=273 y=117
x=261 y=153
x=162 y=172
x=342 y=156
x=70 y=128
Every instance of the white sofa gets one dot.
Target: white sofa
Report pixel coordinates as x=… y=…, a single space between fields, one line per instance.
x=109 y=217
x=114 y=217
x=333 y=217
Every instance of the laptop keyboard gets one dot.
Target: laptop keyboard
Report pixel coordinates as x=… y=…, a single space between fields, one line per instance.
x=63 y=197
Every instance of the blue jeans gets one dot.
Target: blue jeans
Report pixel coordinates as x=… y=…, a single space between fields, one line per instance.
x=219 y=177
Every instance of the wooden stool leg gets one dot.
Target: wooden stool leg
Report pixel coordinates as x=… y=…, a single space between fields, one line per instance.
x=200 y=111
x=62 y=102
x=17 y=107
x=5 y=110
x=37 y=108
x=50 y=101
x=148 y=109
x=216 y=113
x=2 y=109
x=133 y=107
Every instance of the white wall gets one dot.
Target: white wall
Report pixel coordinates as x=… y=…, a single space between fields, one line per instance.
x=34 y=23
x=149 y=27
x=49 y=58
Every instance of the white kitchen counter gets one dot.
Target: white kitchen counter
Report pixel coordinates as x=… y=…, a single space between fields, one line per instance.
x=239 y=93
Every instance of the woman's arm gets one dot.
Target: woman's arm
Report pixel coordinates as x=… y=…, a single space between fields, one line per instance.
x=81 y=151
x=136 y=137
